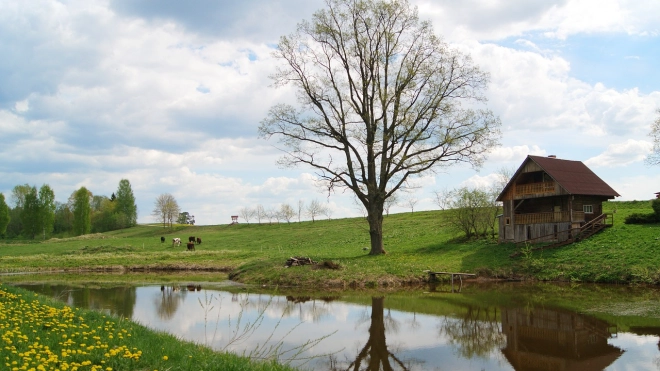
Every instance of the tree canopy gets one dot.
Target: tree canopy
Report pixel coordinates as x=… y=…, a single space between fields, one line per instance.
x=125 y=202
x=46 y=210
x=4 y=215
x=30 y=213
x=381 y=99
x=82 y=223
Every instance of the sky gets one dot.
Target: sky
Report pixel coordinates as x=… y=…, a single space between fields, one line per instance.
x=169 y=95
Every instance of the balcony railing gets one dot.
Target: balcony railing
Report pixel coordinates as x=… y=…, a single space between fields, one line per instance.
x=552 y=217
x=534 y=188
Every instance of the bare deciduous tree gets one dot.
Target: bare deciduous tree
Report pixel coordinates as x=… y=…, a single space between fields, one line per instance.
x=246 y=213
x=327 y=211
x=411 y=202
x=654 y=157
x=286 y=212
x=314 y=209
x=301 y=208
x=260 y=213
x=382 y=100
x=166 y=209
x=271 y=214
x=391 y=201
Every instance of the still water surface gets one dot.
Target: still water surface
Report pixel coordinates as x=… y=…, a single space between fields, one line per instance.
x=494 y=327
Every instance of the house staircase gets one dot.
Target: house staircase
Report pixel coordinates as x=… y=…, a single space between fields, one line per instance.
x=578 y=234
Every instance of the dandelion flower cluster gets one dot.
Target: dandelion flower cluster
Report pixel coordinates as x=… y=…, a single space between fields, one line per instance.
x=39 y=337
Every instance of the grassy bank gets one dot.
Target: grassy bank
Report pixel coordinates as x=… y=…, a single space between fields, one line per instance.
x=256 y=253
x=41 y=334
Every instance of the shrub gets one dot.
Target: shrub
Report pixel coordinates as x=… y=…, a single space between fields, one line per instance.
x=655 y=204
x=638 y=218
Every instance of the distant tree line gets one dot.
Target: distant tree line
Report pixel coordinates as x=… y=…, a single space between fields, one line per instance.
x=36 y=215
x=285 y=212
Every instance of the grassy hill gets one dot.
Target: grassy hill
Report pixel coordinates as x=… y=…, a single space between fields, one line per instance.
x=256 y=253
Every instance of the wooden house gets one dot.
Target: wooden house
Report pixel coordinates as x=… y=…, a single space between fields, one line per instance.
x=551 y=200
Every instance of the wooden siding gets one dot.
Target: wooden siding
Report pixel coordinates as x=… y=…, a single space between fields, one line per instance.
x=552 y=217
x=534 y=188
x=543 y=232
x=531 y=167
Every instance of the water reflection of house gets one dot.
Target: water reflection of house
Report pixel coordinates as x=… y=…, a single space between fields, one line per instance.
x=554 y=339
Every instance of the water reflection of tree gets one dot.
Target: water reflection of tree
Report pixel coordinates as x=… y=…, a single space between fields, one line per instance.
x=374 y=355
x=168 y=302
x=476 y=333
x=118 y=301
x=315 y=310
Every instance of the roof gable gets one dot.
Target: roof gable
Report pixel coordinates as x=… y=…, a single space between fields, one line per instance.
x=574 y=176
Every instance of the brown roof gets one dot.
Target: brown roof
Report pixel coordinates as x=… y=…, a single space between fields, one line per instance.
x=574 y=176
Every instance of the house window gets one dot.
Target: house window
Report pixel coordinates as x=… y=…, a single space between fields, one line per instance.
x=588 y=209
x=507 y=221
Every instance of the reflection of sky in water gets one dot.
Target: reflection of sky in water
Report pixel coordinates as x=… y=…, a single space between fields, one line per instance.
x=414 y=339
x=419 y=341
x=641 y=352
x=475 y=338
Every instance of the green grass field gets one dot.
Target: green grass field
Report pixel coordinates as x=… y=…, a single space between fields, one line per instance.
x=256 y=253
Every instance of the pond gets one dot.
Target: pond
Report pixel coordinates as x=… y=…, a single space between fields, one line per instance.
x=503 y=326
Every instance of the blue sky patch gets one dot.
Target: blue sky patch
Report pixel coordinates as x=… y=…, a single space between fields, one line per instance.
x=617 y=61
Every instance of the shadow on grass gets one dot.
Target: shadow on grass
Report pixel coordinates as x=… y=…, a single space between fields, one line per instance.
x=472 y=256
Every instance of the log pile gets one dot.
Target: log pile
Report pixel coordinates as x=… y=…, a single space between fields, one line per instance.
x=298 y=260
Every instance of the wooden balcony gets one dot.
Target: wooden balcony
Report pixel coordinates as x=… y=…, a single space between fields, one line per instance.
x=534 y=189
x=551 y=217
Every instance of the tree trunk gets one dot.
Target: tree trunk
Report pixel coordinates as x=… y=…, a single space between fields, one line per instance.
x=379 y=354
x=375 y=218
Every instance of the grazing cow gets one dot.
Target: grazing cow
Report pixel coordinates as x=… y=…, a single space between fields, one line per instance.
x=199 y=240
x=176 y=242
x=191 y=239
x=162 y=240
x=191 y=246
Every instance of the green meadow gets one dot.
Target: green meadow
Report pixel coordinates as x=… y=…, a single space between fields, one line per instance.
x=415 y=242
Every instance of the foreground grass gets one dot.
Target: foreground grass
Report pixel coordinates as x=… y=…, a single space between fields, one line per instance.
x=256 y=253
x=40 y=334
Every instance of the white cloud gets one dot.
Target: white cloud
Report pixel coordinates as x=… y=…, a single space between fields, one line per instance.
x=491 y=20
x=621 y=154
x=481 y=182
x=516 y=153
x=171 y=100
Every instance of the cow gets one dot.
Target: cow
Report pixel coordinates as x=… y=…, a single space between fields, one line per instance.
x=176 y=241
x=199 y=240
x=162 y=239
x=191 y=239
x=191 y=246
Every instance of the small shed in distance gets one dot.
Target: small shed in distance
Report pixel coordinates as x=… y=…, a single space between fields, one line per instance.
x=547 y=198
